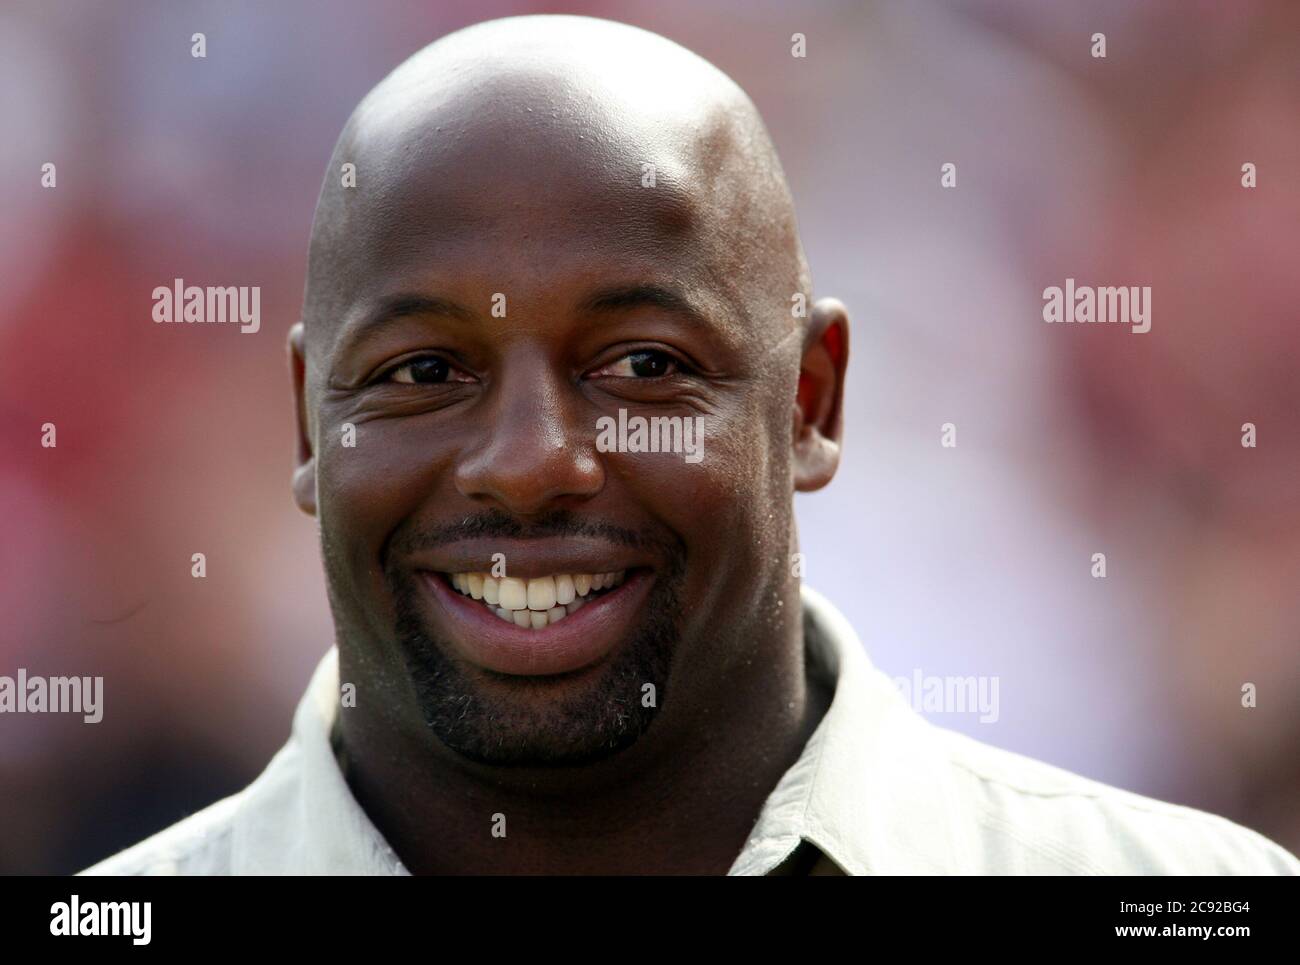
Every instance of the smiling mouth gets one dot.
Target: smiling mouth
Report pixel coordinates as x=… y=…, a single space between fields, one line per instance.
x=535 y=603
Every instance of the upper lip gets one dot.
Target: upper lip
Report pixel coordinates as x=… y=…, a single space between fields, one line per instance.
x=529 y=558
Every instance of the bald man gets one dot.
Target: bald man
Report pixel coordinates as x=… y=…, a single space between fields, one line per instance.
x=555 y=391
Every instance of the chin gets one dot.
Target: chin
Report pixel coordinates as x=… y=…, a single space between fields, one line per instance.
x=555 y=720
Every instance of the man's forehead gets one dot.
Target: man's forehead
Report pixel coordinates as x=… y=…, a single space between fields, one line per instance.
x=540 y=148
x=509 y=169
x=537 y=132
x=514 y=210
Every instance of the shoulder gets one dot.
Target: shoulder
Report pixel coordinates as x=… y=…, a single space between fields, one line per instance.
x=200 y=844
x=1029 y=817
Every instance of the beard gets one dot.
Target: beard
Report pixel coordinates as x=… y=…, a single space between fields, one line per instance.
x=547 y=721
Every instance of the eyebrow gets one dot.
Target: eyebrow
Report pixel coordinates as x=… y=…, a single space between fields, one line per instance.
x=623 y=297
x=608 y=300
x=397 y=307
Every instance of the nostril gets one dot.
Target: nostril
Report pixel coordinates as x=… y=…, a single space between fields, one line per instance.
x=526 y=474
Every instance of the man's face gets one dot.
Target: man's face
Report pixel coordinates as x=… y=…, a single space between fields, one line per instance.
x=502 y=288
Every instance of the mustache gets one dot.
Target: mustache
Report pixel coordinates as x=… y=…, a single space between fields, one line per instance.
x=496 y=524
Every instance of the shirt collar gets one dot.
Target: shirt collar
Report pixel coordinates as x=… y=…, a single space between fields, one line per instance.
x=868 y=790
x=300 y=816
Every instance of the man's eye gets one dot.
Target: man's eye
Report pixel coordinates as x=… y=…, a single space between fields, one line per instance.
x=643 y=364
x=427 y=370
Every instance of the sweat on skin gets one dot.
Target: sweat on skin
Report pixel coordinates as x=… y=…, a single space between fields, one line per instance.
x=506 y=160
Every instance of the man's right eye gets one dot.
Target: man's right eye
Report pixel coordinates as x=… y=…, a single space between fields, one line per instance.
x=426 y=370
x=641 y=364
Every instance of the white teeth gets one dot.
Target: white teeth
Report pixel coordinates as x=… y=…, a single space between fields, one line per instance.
x=514 y=594
x=536 y=603
x=541 y=593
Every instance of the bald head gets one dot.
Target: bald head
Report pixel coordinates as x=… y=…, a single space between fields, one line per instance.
x=557 y=223
x=499 y=130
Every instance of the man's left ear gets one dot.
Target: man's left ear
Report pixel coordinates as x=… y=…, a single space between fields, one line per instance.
x=304 y=472
x=818 y=409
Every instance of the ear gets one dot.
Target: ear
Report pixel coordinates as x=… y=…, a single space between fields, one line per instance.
x=818 y=408
x=304 y=473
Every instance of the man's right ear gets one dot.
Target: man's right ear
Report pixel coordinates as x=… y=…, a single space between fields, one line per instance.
x=304 y=473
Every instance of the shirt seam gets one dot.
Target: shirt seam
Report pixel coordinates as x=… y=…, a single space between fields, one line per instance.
x=1074 y=859
x=1117 y=795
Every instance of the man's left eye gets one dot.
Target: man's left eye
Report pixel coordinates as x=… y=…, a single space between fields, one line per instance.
x=642 y=364
x=427 y=370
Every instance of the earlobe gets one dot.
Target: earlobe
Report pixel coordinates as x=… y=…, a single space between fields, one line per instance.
x=304 y=486
x=304 y=473
x=817 y=416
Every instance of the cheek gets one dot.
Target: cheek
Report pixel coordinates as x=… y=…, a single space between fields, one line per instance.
x=731 y=508
x=369 y=488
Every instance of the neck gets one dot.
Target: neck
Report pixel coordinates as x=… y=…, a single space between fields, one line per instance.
x=685 y=806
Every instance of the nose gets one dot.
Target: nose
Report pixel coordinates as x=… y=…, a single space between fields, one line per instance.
x=537 y=454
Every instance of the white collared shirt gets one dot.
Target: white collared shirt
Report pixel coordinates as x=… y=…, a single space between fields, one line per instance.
x=877 y=790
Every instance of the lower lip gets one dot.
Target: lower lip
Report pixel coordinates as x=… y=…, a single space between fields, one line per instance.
x=581 y=639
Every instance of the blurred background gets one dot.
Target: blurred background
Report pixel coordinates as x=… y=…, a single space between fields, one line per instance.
x=975 y=560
